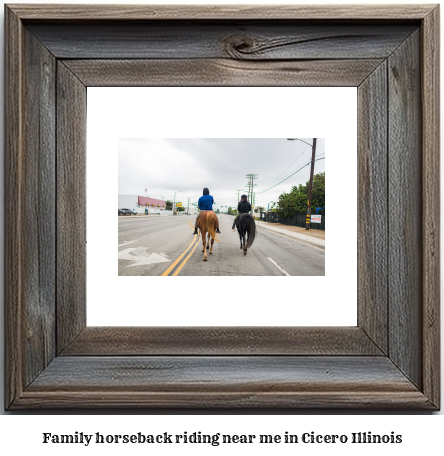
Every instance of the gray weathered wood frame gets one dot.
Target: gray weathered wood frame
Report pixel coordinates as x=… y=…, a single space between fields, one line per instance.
x=390 y=360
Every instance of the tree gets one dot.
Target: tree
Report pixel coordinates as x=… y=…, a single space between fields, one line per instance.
x=318 y=191
x=217 y=211
x=168 y=205
x=258 y=209
x=230 y=211
x=297 y=200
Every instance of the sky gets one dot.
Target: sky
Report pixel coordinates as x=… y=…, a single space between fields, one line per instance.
x=165 y=166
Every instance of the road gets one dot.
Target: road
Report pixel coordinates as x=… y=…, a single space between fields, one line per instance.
x=164 y=245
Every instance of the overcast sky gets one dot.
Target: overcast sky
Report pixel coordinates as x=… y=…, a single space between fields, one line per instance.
x=165 y=166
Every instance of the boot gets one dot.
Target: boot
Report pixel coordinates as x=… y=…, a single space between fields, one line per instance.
x=217 y=230
x=195 y=231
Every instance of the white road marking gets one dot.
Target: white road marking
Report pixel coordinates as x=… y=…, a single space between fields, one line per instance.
x=141 y=257
x=280 y=269
x=126 y=243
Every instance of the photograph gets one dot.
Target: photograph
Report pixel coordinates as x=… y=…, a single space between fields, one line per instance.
x=221 y=207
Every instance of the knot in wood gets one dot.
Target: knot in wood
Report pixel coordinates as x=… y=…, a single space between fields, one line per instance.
x=238 y=46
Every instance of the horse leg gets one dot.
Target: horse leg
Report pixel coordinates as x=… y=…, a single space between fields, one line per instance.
x=208 y=241
x=240 y=238
x=245 y=249
x=211 y=248
x=204 y=250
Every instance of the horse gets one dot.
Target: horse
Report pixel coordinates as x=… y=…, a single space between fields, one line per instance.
x=246 y=225
x=208 y=222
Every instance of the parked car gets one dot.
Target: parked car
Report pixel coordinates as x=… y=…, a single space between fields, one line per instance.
x=127 y=212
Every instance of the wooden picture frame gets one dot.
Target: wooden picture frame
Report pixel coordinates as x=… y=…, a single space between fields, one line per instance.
x=390 y=360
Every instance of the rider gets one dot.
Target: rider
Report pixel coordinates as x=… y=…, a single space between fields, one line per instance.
x=205 y=203
x=244 y=207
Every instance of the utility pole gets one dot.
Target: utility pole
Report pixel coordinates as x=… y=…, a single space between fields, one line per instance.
x=174 y=203
x=313 y=154
x=250 y=187
x=238 y=191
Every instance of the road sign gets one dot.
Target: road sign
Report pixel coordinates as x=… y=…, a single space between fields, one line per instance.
x=178 y=204
x=316 y=218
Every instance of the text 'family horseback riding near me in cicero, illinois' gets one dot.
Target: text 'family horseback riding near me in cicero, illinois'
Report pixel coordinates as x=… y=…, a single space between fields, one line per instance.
x=221 y=438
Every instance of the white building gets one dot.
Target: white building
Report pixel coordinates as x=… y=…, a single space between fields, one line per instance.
x=143 y=204
x=192 y=210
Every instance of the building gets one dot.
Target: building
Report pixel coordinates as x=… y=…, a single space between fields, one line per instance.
x=141 y=204
x=154 y=206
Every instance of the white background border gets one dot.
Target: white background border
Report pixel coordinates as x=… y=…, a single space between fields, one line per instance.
x=222 y=112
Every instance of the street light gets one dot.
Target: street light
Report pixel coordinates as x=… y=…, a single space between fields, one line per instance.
x=297 y=139
x=307 y=222
x=174 y=203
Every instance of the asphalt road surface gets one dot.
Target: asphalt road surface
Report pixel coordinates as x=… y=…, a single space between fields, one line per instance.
x=165 y=245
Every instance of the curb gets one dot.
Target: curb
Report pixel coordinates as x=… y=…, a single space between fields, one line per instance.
x=319 y=243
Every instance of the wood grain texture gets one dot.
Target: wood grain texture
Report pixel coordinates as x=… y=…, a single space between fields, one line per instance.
x=430 y=93
x=247 y=401
x=71 y=206
x=209 y=72
x=234 y=382
x=38 y=213
x=14 y=207
x=405 y=209
x=220 y=12
x=127 y=341
x=372 y=207
x=89 y=374
x=236 y=40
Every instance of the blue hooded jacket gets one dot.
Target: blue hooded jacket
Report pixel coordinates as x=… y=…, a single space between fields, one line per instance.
x=206 y=201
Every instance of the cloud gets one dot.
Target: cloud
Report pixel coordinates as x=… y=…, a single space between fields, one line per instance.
x=164 y=166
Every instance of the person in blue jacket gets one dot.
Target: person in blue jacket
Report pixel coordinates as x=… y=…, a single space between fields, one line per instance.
x=205 y=203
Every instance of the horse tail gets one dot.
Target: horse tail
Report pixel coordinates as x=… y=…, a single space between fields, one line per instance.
x=212 y=225
x=251 y=229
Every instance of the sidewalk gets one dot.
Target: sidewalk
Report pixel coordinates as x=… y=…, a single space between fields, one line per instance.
x=312 y=237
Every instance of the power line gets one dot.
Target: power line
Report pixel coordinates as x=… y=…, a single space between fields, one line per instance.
x=308 y=162
x=275 y=168
x=263 y=191
x=267 y=150
x=279 y=175
x=275 y=155
x=297 y=149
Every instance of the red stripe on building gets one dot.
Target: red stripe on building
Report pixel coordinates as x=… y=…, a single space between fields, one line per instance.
x=143 y=201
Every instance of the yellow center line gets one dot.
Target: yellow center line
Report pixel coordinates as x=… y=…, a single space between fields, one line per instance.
x=186 y=259
x=196 y=237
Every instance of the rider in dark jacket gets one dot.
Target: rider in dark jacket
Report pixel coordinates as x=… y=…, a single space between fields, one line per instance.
x=205 y=203
x=244 y=207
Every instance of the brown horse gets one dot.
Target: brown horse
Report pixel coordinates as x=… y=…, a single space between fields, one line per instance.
x=208 y=222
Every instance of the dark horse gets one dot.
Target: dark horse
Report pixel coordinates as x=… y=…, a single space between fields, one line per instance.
x=246 y=226
x=208 y=222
